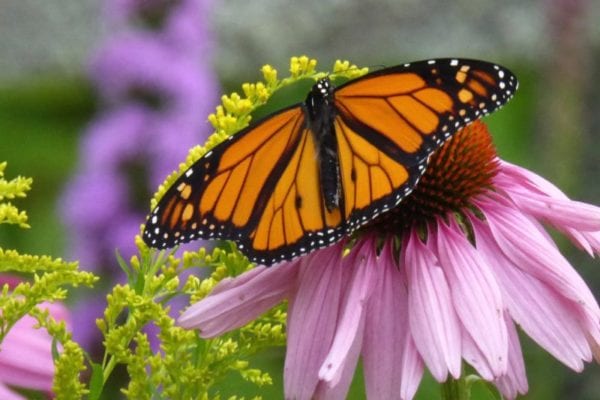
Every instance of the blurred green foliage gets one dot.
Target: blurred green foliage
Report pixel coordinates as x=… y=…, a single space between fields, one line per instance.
x=41 y=121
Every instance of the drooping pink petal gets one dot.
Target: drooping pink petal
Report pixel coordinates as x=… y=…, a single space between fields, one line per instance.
x=559 y=212
x=232 y=282
x=7 y=394
x=25 y=359
x=240 y=300
x=540 y=198
x=514 y=382
x=543 y=313
x=593 y=238
x=392 y=365
x=579 y=240
x=475 y=293
x=523 y=244
x=26 y=352
x=529 y=249
x=588 y=241
x=338 y=389
x=524 y=177
x=349 y=331
x=434 y=325
x=411 y=369
x=534 y=195
x=595 y=349
x=473 y=355
x=312 y=319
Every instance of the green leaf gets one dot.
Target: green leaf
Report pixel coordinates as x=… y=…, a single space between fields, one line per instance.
x=125 y=267
x=54 y=349
x=96 y=382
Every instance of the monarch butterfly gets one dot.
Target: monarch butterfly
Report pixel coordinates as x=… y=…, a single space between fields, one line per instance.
x=305 y=176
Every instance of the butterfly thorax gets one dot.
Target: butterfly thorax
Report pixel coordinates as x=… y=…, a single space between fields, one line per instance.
x=320 y=114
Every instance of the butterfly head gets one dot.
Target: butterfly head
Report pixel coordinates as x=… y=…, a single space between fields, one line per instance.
x=319 y=100
x=323 y=88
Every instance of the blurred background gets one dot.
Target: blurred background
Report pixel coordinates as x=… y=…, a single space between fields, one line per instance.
x=100 y=100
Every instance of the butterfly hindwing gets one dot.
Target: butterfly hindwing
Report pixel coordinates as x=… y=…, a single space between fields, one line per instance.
x=370 y=177
x=295 y=219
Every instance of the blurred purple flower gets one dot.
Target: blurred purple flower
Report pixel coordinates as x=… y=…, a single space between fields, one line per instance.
x=157 y=89
x=142 y=61
x=184 y=24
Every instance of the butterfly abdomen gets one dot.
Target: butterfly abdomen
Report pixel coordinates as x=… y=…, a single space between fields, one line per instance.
x=320 y=115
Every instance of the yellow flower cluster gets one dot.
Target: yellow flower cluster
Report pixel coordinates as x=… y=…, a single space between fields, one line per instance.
x=44 y=279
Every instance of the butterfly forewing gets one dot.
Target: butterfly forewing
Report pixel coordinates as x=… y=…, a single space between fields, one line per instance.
x=295 y=219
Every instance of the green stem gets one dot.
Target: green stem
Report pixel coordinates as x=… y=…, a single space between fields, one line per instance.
x=456 y=389
x=108 y=369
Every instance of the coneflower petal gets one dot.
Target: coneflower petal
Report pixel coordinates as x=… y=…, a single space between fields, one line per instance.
x=234 y=303
x=411 y=368
x=538 y=197
x=7 y=394
x=522 y=243
x=392 y=365
x=544 y=314
x=475 y=293
x=473 y=355
x=350 y=327
x=434 y=324
x=514 y=382
x=312 y=319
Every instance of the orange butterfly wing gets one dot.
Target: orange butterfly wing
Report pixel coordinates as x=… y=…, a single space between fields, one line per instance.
x=223 y=194
x=390 y=121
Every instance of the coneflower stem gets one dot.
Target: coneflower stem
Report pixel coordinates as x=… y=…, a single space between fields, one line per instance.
x=456 y=389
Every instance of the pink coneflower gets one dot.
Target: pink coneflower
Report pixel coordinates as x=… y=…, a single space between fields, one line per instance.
x=444 y=278
x=26 y=352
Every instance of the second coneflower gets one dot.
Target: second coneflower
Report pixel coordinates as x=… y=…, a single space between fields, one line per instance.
x=443 y=278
